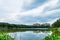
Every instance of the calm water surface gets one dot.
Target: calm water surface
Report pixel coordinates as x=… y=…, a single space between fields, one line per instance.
x=30 y=35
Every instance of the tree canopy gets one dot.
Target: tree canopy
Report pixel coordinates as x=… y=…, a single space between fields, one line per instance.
x=56 y=24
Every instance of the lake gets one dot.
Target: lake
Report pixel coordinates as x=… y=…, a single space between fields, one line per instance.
x=30 y=35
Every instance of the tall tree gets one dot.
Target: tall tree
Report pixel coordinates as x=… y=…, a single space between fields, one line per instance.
x=56 y=24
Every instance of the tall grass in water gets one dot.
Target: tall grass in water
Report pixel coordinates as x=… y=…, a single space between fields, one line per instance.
x=54 y=36
x=4 y=36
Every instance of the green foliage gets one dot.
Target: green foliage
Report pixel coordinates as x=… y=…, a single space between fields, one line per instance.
x=56 y=24
x=16 y=26
x=4 y=36
x=52 y=37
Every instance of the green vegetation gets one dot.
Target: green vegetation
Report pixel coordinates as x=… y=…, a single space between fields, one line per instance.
x=4 y=36
x=6 y=27
x=14 y=26
x=56 y=24
x=37 y=25
x=56 y=31
x=54 y=36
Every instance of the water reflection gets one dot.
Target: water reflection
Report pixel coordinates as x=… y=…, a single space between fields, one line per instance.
x=29 y=35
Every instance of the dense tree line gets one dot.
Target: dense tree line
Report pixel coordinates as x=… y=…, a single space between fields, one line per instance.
x=10 y=26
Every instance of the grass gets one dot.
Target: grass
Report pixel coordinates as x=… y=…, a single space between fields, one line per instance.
x=55 y=35
x=4 y=36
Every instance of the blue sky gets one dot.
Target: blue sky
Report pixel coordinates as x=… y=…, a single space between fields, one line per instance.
x=29 y=11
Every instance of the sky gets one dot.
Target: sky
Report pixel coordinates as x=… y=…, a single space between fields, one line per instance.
x=29 y=11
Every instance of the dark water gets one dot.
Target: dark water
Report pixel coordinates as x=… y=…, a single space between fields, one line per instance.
x=30 y=35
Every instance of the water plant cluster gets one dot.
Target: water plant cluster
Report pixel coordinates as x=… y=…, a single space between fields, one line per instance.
x=4 y=36
x=54 y=36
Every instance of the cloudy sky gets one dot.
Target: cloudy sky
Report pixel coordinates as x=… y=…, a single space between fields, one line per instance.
x=29 y=11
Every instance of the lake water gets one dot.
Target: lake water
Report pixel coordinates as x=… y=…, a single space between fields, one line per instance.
x=30 y=35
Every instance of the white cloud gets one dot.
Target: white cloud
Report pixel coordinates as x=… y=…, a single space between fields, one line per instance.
x=39 y=11
x=11 y=8
x=8 y=17
x=52 y=21
x=2 y=20
x=14 y=8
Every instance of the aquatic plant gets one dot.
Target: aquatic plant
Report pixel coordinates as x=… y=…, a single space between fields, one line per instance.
x=4 y=36
x=54 y=36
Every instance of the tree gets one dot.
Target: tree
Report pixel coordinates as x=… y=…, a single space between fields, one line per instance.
x=56 y=24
